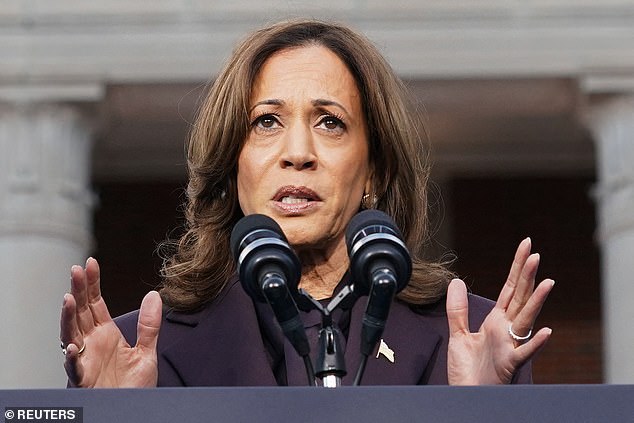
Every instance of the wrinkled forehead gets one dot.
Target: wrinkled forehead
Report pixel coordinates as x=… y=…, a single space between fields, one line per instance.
x=311 y=73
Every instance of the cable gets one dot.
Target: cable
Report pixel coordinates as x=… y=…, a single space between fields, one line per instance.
x=360 y=370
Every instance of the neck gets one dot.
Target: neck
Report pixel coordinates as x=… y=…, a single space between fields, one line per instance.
x=323 y=269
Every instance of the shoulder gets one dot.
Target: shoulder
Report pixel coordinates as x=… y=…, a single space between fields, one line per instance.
x=229 y=299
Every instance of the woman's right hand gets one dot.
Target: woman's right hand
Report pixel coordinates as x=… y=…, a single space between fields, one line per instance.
x=106 y=359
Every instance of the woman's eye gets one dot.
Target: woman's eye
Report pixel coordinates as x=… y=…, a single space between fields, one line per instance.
x=332 y=123
x=265 y=122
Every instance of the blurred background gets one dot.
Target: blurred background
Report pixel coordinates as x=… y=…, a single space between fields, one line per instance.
x=530 y=112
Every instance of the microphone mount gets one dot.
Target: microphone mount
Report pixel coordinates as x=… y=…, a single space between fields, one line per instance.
x=330 y=365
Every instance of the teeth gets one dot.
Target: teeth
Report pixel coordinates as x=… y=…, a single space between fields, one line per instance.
x=294 y=200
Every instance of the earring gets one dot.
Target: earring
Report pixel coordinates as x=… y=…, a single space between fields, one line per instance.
x=368 y=201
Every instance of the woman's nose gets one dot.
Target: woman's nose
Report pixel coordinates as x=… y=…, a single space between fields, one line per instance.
x=299 y=151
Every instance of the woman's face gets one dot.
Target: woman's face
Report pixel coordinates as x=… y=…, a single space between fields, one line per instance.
x=305 y=161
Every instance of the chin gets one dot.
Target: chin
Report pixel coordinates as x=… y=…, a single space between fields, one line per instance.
x=298 y=239
x=300 y=235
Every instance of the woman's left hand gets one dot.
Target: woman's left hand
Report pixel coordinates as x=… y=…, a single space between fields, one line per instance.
x=492 y=355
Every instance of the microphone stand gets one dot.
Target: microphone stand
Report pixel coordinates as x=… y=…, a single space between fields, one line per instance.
x=330 y=365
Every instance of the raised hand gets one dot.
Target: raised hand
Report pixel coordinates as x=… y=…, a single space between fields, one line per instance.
x=97 y=354
x=503 y=343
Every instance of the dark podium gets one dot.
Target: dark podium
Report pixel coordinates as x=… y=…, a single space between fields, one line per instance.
x=527 y=403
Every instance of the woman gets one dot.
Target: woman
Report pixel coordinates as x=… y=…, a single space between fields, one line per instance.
x=307 y=124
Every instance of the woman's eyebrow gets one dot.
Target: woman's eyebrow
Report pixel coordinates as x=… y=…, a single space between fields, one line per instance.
x=323 y=102
x=267 y=102
x=319 y=102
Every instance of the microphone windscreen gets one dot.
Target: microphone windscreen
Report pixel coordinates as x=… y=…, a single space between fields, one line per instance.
x=372 y=237
x=365 y=219
x=247 y=225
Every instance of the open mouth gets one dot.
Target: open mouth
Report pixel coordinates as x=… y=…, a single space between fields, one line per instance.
x=295 y=200
x=295 y=195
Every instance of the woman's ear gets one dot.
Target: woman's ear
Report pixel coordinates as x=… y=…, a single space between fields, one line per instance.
x=369 y=199
x=369 y=183
x=368 y=187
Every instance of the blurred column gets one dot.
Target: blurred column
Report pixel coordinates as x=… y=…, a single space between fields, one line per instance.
x=45 y=226
x=612 y=122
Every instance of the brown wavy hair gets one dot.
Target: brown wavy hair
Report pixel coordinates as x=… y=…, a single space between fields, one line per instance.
x=200 y=263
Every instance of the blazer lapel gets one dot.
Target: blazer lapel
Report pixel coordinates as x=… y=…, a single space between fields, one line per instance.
x=412 y=340
x=219 y=346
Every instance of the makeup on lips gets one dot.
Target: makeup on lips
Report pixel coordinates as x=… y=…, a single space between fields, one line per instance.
x=294 y=200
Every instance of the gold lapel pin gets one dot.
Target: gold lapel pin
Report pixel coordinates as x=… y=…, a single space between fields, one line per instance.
x=386 y=351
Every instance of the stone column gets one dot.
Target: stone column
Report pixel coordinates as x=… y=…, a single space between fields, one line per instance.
x=612 y=123
x=45 y=227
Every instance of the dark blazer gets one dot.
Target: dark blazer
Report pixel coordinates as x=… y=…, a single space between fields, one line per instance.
x=221 y=345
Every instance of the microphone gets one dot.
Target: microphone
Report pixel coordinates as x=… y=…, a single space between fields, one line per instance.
x=268 y=270
x=380 y=266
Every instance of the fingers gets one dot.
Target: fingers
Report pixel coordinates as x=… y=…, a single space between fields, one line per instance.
x=149 y=321
x=79 y=291
x=69 y=329
x=86 y=289
x=457 y=307
x=528 y=350
x=525 y=319
x=71 y=337
x=82 y=310
x=72 y=365
x=524 y=287
x=96 y=303
x=521 y=256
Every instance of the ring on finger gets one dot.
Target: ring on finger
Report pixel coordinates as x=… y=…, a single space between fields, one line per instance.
x=518 y=338
x=64 y=348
